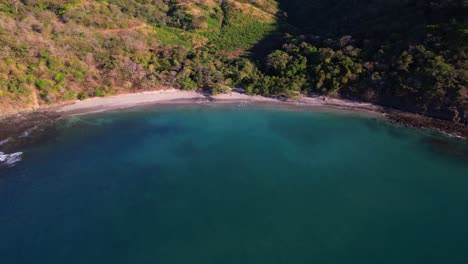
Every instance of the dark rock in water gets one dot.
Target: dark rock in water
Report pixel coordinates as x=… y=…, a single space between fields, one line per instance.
x=24 y=129
x=450 y=148
x=418 y=121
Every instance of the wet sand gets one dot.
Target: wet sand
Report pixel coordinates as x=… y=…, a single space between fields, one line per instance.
x=15 y=130
x=174 y=96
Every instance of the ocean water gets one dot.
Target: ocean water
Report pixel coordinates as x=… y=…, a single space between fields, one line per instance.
x=204 y=184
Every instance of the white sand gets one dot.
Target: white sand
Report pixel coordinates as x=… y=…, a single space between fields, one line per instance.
x=173 y=96
x=123 y=101
x=238 y=97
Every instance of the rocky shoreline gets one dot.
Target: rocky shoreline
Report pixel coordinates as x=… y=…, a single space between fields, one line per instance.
x=26 y=128
x=424 y=122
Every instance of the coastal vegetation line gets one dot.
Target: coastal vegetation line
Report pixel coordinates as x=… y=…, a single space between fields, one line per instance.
x=409 y=55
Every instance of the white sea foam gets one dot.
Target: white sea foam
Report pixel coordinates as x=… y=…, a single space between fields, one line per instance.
x=27 y=132
x=242 y=104
x=10 y=159
x=202 y=101
x=3 y=142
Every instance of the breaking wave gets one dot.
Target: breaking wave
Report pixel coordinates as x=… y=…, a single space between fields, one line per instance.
x=10 y=159
x=3 y=142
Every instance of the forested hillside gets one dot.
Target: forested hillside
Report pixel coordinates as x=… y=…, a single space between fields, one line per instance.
x=413 y=53
x=53 y=51
x=408 y=54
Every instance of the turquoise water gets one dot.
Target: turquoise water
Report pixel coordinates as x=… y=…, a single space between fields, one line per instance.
x=235 y=185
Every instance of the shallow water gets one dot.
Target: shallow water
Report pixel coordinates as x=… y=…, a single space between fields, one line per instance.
x=199 y=184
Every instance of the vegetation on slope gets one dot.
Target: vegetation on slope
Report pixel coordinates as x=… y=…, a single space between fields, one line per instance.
x=408 y=54
x=52 y=51
x=413 y=52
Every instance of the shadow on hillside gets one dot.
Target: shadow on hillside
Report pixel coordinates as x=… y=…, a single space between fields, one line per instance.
x=382 y=21
x=295 y=17
x=275 y=39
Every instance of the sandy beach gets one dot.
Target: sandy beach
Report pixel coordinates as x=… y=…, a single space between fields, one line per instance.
x=13 y=128
x=122 y=101
x=23 y=128
x=174 y=96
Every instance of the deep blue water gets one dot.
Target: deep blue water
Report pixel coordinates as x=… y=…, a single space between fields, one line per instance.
x=235 y=185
